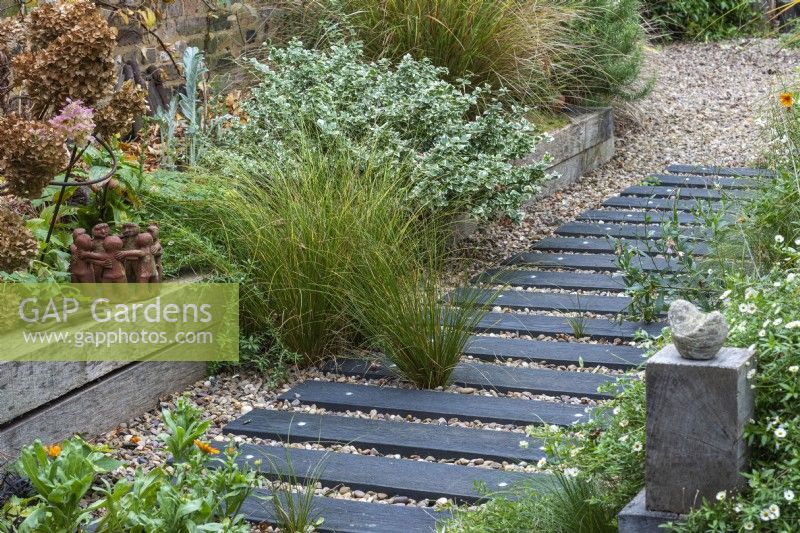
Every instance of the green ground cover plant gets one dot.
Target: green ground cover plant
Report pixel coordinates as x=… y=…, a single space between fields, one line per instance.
x=74 y=489
x=451 y=155
x=543 y=52
x=704 y=20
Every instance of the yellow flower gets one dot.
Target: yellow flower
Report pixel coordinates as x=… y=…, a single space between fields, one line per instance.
x=53 y=451
x=205 y=447
x=787 y=100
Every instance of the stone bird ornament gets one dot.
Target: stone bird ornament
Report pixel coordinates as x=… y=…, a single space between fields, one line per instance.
x=696 y=335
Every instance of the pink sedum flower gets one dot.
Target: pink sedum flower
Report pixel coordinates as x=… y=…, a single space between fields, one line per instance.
x=76 y=121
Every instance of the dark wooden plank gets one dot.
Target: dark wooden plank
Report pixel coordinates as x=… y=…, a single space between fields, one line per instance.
x=387 y=437
x=650 y=191
x=607 y=245
x=599 y=262
x=351 y=516
x=541 y=300
x=552 y=280
x=636 y=217
x=433 y=404
x=595 y=328
x=99 y=406
x=703 y=181
x=608 y=355
x=495 y=377
x=395 y=477
x=720 y=171
x=661 y=204
x=626 y=231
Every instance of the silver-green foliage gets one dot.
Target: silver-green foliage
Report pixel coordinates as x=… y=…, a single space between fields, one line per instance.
x=461 y=143
x=191 y=112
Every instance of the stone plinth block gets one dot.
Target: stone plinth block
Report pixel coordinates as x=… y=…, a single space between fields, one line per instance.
x=696 y=413
x=635 y=518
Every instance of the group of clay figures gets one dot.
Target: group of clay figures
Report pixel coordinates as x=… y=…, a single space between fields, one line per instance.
x=134 y=256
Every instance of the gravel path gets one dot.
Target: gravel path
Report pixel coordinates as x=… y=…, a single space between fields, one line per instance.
x=706 y=108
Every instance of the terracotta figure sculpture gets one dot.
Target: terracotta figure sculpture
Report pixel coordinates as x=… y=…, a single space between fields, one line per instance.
x=146 y=265
x=134 y=256
x=129 y=233
x=99 y=233
x=158 y=251
x=82 y=269
x=113 y=271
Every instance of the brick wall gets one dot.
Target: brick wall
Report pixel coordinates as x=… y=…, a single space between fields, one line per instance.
x=223 y=33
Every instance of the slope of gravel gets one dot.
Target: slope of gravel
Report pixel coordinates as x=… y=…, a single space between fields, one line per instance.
x=706 y=108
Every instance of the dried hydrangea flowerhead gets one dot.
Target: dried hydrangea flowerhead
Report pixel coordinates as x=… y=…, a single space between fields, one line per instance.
x=18 y=247
x=116 y=116
x=32 y=152
x=75 y=121
x=70 y=54
x=12 y=34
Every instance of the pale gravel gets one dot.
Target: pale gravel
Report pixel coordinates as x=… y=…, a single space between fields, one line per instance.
x=707 y=107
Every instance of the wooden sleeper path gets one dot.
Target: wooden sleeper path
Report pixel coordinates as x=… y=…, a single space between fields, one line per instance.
x=413 y=435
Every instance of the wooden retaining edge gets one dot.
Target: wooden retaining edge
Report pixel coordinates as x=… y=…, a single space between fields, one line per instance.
x=101 y=405
x=581 y=146
x=577 y=148
x=26 y=385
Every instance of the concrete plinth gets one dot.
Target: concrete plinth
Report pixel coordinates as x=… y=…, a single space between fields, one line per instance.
x=696 y=413
x=635 y=518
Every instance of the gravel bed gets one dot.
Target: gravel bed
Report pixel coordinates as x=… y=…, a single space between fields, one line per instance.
x=705 y=109
x=544 y=312
x=572 y=292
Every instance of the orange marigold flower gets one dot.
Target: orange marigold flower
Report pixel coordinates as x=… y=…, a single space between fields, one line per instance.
x=136 y=439
x=205 y=447
x=53 y=451
x=230 y=450
x=787 y=100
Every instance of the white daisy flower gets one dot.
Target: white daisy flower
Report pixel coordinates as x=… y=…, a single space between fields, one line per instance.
x=721 y=495
x=542 y=462
x=780 y=432
x=524 y=444
x=792 y=325
x=637 y=446
x=764 y=515
x=751 y=373
x=779 y=239
x=748 y=526
x=774 y=511
x=571 y=472
x=788 y=495
x=794 y=369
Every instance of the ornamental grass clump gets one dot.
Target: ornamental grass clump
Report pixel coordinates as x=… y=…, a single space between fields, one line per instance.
x=543 y=53
x=297 y=229
x=398 y=303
